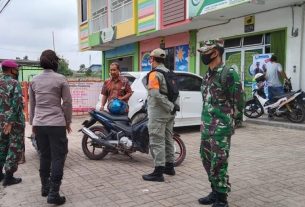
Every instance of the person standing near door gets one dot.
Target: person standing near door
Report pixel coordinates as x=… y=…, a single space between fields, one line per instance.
x=222 y=103
x=274 y=69
x=50 y=116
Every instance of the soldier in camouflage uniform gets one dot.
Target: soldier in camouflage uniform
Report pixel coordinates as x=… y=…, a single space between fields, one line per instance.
x=222 y=104
x=12 y=122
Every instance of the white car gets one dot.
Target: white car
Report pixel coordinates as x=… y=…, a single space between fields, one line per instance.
x=190 y=96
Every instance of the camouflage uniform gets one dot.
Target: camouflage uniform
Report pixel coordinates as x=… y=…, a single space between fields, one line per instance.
x=11 y=111
x=221 y=105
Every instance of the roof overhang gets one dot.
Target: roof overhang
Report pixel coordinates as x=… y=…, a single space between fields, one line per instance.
x=210 y=19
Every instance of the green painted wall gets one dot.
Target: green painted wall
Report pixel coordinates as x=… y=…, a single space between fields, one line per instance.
x=94 y=39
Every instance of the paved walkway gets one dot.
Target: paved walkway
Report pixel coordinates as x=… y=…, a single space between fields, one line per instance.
x=267 y=168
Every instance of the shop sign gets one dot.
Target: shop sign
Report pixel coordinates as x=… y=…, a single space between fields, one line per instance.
x=145 y=64
x=108 y=34
x=199 y=7
x=84 y=95
x=259 y=65
x=182 y=58
x=249 y=23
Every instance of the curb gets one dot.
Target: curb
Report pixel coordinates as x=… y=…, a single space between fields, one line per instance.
x=266 y=122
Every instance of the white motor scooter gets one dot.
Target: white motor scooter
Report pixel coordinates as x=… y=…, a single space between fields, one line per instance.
x=288 y=105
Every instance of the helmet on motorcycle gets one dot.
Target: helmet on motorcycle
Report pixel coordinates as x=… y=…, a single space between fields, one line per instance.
x=259 y=77
x=117 y=107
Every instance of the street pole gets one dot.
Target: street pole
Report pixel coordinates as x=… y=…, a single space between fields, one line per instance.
x=53 y=41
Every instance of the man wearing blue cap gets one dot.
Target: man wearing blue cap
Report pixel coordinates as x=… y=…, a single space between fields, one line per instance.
x=12 y=122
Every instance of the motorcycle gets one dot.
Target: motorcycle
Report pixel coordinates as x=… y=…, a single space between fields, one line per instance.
x=289 y=105
x=288 y=89
x=34 y=142
x=118 y=133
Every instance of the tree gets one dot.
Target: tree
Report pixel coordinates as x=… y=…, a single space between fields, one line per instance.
x=63 y=68
x=88 y=72
x=82 y=68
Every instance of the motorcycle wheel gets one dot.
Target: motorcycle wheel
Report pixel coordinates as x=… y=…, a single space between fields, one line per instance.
x=253 y=109
x=91 y=150
x=137 y=118
x=180 y=150
x=297 y=114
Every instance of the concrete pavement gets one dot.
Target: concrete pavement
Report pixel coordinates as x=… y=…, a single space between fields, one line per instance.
x=266 y=167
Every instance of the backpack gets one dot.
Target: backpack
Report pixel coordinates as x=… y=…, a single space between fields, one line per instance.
x=223 y=81
x=171 y=84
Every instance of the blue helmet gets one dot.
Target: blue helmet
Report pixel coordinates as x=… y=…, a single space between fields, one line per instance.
x=117 y=107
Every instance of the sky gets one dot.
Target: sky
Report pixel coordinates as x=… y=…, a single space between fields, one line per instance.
x=26 y=28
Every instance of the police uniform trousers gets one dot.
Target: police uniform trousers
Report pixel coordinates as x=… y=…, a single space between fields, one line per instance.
x=161 y=140
x=52 y=143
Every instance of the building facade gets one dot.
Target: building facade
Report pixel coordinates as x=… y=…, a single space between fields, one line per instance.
x=128 y=30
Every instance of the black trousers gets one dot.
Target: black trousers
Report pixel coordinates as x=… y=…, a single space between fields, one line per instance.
x=52 y=143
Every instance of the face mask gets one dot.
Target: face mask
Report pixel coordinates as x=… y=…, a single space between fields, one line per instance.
x=206 y=58
x=15 y=75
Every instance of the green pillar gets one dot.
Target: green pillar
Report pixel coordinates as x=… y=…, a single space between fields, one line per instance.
x=193 y=42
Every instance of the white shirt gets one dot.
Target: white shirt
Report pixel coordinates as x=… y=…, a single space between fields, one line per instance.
x=272 y=74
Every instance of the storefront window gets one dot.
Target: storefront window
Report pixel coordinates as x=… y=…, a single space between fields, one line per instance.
x=170 y=58
x=253 y=40
x=121 y=11
x=84 y=10
x=236 y=42
x=99 y=15
x=267 y=38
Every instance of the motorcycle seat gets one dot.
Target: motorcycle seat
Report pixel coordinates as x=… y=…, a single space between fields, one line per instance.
x=284 y=95
x=113 y=117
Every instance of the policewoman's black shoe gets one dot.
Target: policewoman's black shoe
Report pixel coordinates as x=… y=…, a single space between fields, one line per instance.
x=156 y=175
x=221 y=200
x=169 y=169
x=209 y=199
x=53 y=196
x=10 y=180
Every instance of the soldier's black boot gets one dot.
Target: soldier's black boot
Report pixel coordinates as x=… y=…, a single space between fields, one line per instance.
x=209 y=199
x=169 y=169
x=156 y=175
x=1 y=175
x=9 y=179
x=53 y=196
x=45 y=186
x=221 y=200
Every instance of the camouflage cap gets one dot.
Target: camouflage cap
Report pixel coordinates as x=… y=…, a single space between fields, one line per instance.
x=159 y=53
x=210 y=44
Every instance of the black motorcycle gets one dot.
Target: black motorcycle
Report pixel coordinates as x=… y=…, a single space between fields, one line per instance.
x=119 y=134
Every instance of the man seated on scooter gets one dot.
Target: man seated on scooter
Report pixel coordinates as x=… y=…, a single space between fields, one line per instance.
x=116 y=87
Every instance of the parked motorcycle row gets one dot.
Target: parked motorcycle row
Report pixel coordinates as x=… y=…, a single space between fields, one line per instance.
x=290 y=105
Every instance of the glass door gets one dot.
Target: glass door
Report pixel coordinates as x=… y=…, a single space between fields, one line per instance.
x=241 y=59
